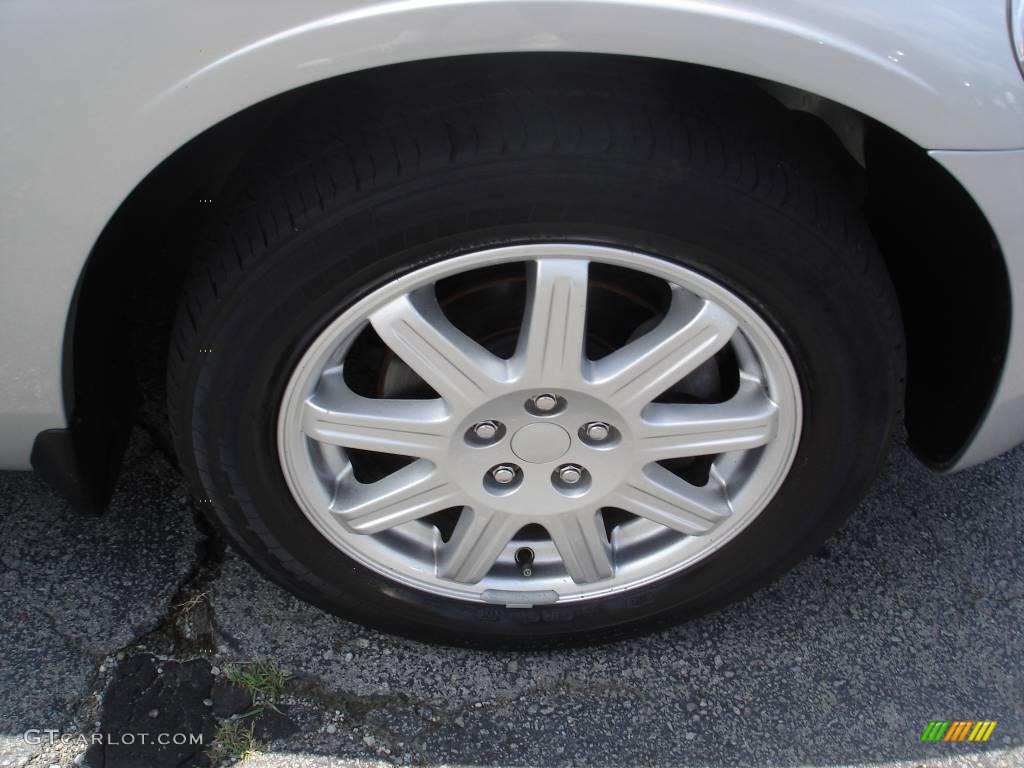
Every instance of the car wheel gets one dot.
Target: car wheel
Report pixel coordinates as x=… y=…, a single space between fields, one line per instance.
x=539 y=392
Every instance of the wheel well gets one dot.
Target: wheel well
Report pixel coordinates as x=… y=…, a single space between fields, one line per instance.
x=922 y=218
x=947 y=265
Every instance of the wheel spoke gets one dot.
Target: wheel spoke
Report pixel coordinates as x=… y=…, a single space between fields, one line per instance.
x=672 y=431
x=412 y=492
x=582 y=544
x=460 y=370
x=406 y=427
x=551 y=342
x=692 y=331
x=658 y=495
x=479 y=538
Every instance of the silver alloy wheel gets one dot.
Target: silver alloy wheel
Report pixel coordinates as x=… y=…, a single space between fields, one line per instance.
x=556 y=470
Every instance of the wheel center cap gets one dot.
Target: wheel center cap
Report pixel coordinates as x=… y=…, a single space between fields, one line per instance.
x=540 y=442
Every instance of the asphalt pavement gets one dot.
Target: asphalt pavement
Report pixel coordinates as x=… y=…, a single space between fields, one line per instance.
x=912 y=613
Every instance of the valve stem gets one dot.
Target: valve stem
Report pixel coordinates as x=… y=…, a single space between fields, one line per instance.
x=524 y=559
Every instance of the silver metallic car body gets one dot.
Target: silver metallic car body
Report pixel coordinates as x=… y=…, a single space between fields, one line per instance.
x=96 y=94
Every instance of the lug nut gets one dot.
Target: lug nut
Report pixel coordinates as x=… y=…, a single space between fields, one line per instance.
x=503 y=474
x=570 y=474
x=485 y=430
x=597 y=431
x=545 y=402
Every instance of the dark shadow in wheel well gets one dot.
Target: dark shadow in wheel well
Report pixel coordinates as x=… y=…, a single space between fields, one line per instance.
x=953 y=289
x=922 y=218
x=119 y=324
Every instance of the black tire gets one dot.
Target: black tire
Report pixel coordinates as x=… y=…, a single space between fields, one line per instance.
x=711 y=174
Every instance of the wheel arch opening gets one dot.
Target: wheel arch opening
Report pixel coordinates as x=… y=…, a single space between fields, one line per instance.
x=921 y=216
